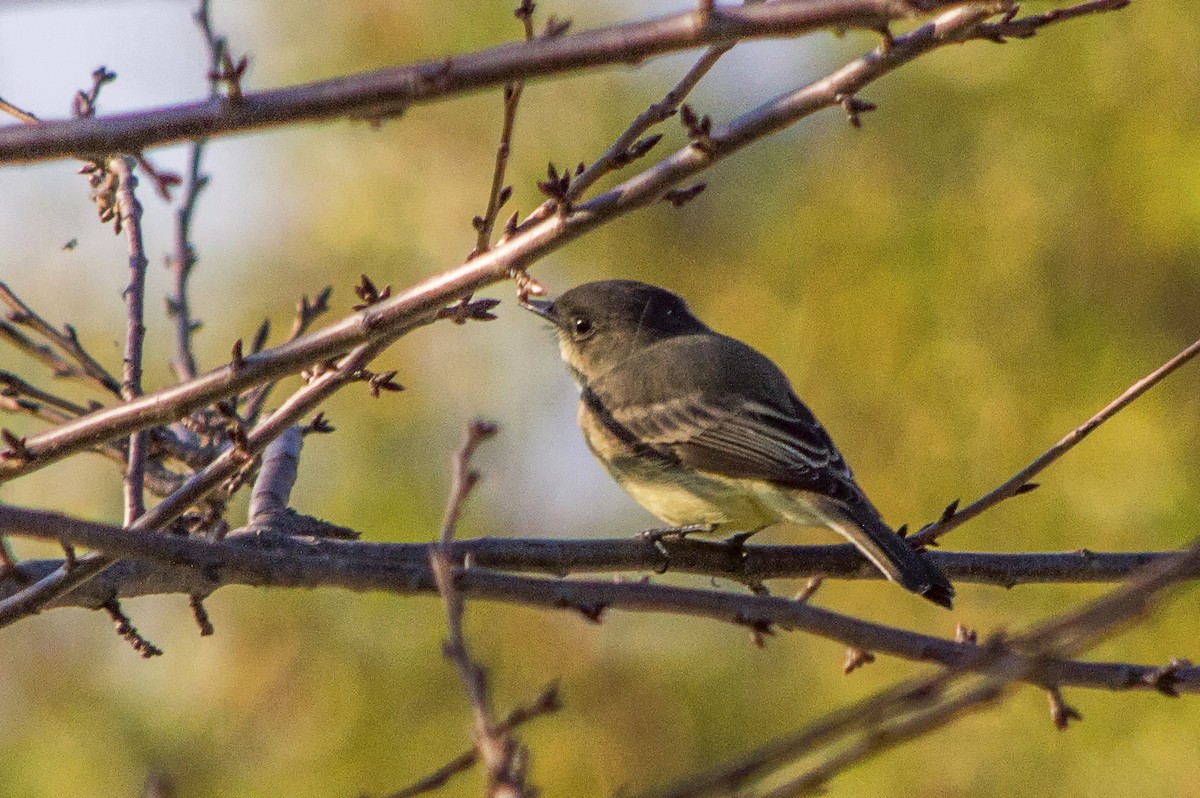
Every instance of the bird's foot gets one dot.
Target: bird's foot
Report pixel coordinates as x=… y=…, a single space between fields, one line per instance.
x=657 y=534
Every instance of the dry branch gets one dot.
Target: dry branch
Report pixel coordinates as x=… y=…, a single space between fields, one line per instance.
x=919 y=706
x=503 y=758
x=1022 y=479
x=263 y=559
x=129 y=220
x=197 y=486
x=388 y=92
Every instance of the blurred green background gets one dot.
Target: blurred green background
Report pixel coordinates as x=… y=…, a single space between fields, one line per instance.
x=1007 y=243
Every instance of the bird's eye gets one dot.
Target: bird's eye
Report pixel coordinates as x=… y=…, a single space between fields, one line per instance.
x=582 y=327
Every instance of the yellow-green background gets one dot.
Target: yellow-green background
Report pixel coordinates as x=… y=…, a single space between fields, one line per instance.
x=1006 y=244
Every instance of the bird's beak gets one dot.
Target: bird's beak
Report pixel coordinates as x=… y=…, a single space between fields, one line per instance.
x=543 y=308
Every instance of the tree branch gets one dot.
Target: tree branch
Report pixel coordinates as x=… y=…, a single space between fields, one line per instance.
x=263 y=559
x=183 y=260
x=129 y=220
x=196 y=487
x=1021 y=480
x=919 y=706
x=87 y=369
x=419 y=305
x=750 y=564
x=502 y=756
x=388 y=92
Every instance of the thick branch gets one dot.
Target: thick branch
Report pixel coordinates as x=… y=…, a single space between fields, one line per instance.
x=276 y=477
x=198 y=567
x=556 y=557
x=749 y=564
x=388 y=92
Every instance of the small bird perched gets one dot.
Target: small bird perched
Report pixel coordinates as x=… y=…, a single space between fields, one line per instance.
x=701 y=429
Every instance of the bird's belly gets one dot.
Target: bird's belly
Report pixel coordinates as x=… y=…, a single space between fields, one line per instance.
x=681 y=498
x=678 y=495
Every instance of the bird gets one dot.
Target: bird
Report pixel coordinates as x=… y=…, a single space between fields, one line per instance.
x=703 y=430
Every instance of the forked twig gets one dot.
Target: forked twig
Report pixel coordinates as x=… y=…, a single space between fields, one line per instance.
x=66 y=340
x=544 y=704
x=503 y=758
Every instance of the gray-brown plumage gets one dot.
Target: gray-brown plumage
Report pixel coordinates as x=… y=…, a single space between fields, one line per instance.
x=702 y=429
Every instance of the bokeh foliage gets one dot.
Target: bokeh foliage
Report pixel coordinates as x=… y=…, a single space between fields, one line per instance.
x=1006 y=244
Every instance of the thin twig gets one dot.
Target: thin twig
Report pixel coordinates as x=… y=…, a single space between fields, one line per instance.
x=88 y=368
x=12 y=401
x=130 y=221
x=43 y=353
x=501 y=755
x=184 y=258
x=544 y=704
x=1027 y=26
x=1017 y=484
x=13 y=385
x=498 y=193
x=21 y=114
x=621 y=151
x=307 y=311
x=463 y=480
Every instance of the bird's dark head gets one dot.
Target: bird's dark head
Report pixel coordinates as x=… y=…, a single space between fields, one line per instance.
x=601 y=324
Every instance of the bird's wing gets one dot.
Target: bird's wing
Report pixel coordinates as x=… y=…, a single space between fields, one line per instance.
x=771 y=436
x=728 y=435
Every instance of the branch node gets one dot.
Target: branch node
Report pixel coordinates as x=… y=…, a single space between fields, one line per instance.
x=200 y=615
x=1165 y=679
x=470 y=310
x=556 y=187
x=699 y=129
x=15 y=448
x=854 y=108
x=1061 y=713
x=855 y=659
x=527 y=285
x=319 y=425
x=126 y=629
x=369 y=294
x=678 y=197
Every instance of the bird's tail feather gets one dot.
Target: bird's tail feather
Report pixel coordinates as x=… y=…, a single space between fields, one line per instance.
x=894 y=556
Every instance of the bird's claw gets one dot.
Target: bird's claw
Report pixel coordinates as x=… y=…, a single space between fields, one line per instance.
x=657 y=534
